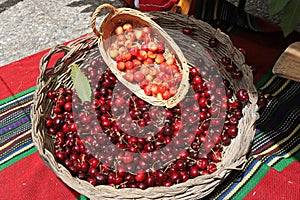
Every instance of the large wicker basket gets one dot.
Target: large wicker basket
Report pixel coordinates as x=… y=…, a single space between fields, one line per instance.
x=234 y=156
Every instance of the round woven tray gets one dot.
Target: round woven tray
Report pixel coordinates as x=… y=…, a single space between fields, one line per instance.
x=234 y=156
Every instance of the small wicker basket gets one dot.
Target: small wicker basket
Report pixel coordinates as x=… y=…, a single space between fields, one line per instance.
x=124 y=15
x=234 y=156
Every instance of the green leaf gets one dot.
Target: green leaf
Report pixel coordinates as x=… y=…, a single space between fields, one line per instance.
x=275 y=6
x=81 y=84
x=290 y=17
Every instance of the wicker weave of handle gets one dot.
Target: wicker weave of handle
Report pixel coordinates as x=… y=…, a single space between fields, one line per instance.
x=119 y=16
x=234 y=156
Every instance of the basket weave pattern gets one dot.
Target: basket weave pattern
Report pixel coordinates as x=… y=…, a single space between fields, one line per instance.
x=234 y=156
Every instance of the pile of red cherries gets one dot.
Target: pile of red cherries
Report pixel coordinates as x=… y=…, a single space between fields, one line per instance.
x=120 y=140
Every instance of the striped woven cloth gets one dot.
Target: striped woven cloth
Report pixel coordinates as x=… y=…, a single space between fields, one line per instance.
x=274 y=153
x=15 y=128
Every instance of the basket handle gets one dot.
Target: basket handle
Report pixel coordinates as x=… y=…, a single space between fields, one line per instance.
x=96 y=13
x=46 y=58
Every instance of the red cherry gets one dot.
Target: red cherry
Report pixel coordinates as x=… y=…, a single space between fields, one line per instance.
x=150 y=181
x=237 y=74
x=230 y=68
x=242 y=95
x=194 y=71
x=51 y=94
x=194 y=172
x=166 y=95
x=225 y=139
x=56 y=109
x=201 y=163
x=184 y=176
x=216 y=156
x=128 y=158
x=186 y=30
x=232 y=131
x=160 y=176
x=211 y=168
x=213 y=42
x=175 y=177
x=160 y=47
x=49 y=122
x=140 y=176
x=68 y=106
x=93 y=162
x=61 y=155
x=128 y=76
x=225 y=61
x=242 y=50
x=138 y=76
x=208 y=146
x=262 y=100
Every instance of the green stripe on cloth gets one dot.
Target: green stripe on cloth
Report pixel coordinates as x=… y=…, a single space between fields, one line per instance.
x=15 y=159
x=81 y=197
x=237 y=180
x=287 y=152
x=253 y=181
x=258 y=135
x=4 y=101
x=16 y=141
x=286 y=162
x=279 y=150
x=250 y=184
x=240 y=190
x=283 y=153
x=239 y=184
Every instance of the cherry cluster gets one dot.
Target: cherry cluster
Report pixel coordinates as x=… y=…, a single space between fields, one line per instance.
x=143 y=60
x=231 y=68
x=120 y=140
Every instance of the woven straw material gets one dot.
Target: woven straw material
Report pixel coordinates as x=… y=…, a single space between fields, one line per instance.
x=234 y=155
x=138 y=19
